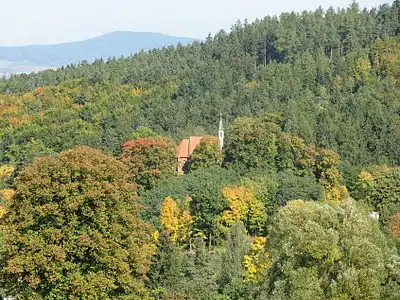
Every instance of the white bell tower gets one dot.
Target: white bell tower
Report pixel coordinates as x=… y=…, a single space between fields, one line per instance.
x=221 y=134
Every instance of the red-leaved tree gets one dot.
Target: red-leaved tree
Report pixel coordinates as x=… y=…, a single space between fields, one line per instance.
x=150 y=160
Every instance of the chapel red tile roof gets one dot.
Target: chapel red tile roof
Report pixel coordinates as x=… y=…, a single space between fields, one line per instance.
x=187 y=146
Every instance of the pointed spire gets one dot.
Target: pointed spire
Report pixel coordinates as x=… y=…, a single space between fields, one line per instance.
x=221 y=133
x=221 y=125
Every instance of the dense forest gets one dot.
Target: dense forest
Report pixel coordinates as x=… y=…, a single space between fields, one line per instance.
x=302 y=203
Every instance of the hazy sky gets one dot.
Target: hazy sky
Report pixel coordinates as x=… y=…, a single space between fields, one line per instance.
x=54 y=21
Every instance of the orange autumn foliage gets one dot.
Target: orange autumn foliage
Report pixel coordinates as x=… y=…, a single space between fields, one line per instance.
x=394 y=224
x=150 y=159
x=8 y=109
x=14 y=122
x=104 y=247
x=136 y=91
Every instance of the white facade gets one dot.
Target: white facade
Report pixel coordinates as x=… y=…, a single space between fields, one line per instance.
x=221 y=133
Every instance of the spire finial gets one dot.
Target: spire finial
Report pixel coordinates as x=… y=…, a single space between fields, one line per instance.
x=221 y=124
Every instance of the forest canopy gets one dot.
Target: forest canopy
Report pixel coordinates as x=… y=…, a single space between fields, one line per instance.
x=301 y=203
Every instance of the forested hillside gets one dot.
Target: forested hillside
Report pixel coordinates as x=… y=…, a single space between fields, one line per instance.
x=311 y=105
x=332 y=76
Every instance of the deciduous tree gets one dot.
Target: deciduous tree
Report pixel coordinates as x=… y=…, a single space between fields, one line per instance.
x=72 y=229
x=245 y=207
x=394 y=224
x=251 y=143
x=207 y=154
x=326 y=251
x=150 y=160
x=378 y=187
x=176 y=220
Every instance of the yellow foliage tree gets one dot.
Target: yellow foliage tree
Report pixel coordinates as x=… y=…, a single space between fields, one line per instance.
x=185 y=222
x=328 y=173
x=177 y=220
x=6 y=194
x=362 y=67
x=337 y=194
x=327 y=168
x=252 y=84
x=366 y=177
x=238 y=197
x=304 y=154
x=169 y=217
x=136 y=91
x=5 y=172
x=245 y=207
x=257 y=261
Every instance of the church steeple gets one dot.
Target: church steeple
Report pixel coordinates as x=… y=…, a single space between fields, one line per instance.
x=221 y=134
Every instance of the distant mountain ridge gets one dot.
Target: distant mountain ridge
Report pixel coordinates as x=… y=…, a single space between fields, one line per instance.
x=114 y=44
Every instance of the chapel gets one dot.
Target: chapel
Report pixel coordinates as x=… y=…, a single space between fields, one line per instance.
x=187 y=146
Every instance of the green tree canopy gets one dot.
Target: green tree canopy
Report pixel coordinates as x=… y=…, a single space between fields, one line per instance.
x=251 y=143
x=207 y=154
x=326 y=251
x=379 y=188
x=73 y=230
x=204 y=187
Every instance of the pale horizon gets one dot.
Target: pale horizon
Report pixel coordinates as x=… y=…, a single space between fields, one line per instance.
x=47 y=22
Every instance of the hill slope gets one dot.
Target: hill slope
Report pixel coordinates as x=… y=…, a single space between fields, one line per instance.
x=330 y=77
x=115 y=44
